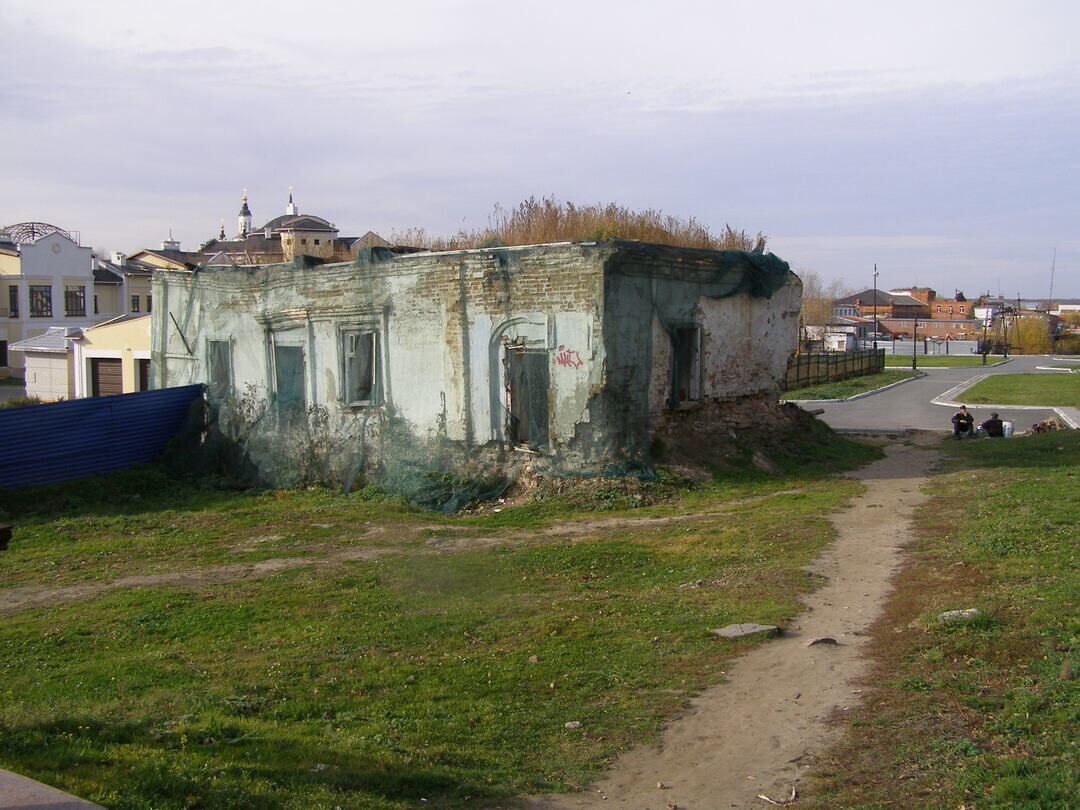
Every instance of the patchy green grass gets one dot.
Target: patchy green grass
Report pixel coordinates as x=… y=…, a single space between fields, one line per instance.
x=1027 y=389
x=939 y=360
x=980 y=712
x=405 y=659
x=842 y=389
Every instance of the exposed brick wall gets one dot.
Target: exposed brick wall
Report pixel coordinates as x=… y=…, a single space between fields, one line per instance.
x=438 y=314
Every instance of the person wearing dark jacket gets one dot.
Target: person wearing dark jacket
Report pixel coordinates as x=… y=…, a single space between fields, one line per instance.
x=963 y=423
x=993 y=427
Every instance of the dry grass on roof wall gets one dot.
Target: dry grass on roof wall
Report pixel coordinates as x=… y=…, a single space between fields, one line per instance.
x=536 y=221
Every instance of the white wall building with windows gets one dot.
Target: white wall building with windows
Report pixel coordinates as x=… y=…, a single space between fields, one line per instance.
x=47 y=279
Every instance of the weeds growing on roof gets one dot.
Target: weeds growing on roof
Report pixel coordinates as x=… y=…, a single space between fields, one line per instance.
x=537 y=221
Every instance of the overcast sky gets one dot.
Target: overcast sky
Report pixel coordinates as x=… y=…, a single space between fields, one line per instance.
x=937 y=139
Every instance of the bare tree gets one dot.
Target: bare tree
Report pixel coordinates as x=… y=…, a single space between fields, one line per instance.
x=819 y=296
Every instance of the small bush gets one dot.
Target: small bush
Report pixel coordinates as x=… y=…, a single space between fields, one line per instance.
x=18 y=402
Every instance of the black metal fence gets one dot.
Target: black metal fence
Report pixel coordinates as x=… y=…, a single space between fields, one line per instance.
x=814 y=369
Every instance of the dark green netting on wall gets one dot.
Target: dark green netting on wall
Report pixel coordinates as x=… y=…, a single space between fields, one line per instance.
x=288 y=436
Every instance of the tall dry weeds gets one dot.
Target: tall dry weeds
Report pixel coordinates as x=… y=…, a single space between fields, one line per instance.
x=536 y=221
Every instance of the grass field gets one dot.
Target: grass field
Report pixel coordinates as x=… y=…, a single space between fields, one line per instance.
x=307 y=649
x=1062 y=390
x=980 y=712
x=939 y=360
x=842 y=389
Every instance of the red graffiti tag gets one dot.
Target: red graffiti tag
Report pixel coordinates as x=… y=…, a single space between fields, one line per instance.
x=569 y=357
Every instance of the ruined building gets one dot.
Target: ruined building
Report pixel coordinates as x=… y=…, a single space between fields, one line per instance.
x=570 y=356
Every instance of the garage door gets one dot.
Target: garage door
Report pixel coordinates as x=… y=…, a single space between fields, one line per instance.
x=106 y=377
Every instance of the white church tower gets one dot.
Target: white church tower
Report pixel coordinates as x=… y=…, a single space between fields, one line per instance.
x=245 y=218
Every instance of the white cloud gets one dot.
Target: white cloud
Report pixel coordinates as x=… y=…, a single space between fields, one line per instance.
x=935 y=138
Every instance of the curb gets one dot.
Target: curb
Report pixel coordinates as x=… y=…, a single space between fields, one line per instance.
x=858 y=396
x=1070 y=416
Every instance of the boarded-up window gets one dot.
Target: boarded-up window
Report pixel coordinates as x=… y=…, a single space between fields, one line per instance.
x=289 y=378
x=219 y=363
x=106 y=377
x=527 y=388
x=360 y=372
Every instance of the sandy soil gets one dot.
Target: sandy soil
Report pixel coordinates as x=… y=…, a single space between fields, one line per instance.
x=756 y=734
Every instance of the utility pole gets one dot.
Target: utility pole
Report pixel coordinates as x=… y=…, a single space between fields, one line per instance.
x=875 y=307
x=914 y=343
x=1053 y=264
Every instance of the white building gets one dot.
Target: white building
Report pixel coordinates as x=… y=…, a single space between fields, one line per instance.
x=47 y=279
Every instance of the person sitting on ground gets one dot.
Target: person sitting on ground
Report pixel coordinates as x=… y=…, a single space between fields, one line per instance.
x=963 y=423
x=993 y=427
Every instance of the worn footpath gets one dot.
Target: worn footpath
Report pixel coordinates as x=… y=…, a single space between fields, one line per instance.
x=750 y=740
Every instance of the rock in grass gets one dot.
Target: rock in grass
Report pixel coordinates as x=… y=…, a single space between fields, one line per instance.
x=956 y=615
x=572 y=724
x=747 y=629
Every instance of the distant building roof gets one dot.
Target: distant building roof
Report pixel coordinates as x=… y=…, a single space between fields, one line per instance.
x=118 y=319
x=304 y=222
x=881 y=298
x=54 y=339
x=905 y=300
x=104 y=274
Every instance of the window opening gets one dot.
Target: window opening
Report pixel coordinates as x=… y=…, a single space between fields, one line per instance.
x=219 y=360
x=289 y=379
x=74 y=301
x=13 y=301
x=360 y=367
x=527 y=392
x=149 y=301
x=144 y=374
x=134 y=303
x=40 y=301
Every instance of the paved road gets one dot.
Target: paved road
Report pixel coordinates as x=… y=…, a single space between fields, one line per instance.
x=26 y=794
x=928 y=403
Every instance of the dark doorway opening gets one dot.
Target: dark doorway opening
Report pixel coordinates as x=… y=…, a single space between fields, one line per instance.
x=686 y=365
x=527 y=384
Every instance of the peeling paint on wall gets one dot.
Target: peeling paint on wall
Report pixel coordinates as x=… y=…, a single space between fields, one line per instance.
x=565 y=355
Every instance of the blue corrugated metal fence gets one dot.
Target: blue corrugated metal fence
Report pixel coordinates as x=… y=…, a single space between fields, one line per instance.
x=62 y=441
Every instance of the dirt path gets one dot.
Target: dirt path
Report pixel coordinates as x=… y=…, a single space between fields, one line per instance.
x=30 y=596
x=757 y=733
